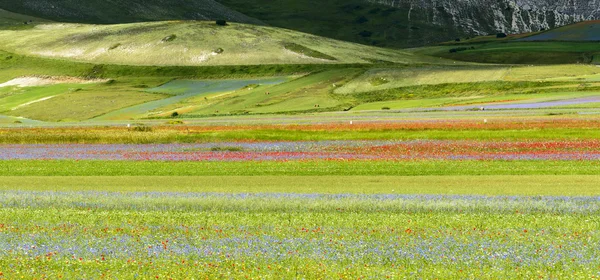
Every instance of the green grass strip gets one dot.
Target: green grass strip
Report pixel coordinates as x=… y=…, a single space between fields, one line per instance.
x=295 y=168
x=459 y=185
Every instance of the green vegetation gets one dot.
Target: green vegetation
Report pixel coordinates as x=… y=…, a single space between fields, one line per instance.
x=296 y=168
x=581 y=31
x=307 y=51
x=186 y=44
x=172 y=235
x=473 y=130
x=512 y=52
x=312 y=88
x=563 y=185
x=82 y=104
x=14 y=21
x=99 y=11
x=311 y=93
x=349 y=20
x=243 y=202
x=483 y=100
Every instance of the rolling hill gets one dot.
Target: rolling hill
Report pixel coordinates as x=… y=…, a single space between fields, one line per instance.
x=10 y=20
x=576 y=43
x=386 y=23
x=192 y=43
x=582 y=31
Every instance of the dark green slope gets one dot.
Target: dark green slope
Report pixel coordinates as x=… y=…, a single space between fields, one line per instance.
x=349 y=20
x=122 y=11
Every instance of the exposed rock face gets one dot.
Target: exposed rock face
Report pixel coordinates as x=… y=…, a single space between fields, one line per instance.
x=489 y=16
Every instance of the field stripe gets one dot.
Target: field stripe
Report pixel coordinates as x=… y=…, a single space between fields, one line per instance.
x=463 y=185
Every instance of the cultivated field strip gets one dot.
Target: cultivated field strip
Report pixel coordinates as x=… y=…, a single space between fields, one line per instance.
x=158 y=234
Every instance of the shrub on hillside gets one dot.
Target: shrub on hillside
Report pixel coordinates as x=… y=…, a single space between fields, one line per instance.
x=175 y=122
x=169 y=38
x=175 y=114
x=366 y=33
x=461 y=49
x=114 y=46
x=221 y=22
x=501 y=35
x=362 y=19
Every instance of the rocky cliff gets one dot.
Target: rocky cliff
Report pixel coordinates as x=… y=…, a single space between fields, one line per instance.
x=480 y=17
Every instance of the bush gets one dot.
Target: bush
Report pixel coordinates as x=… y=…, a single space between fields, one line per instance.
x=175 y=114
x=226 y=149
x=169 y=38
x=114 y=46
x=501 y=35
x=366 y=33
x=141 y=128
x=362 y=20
x=221 y=22
x=385 y=108
x=461 y=49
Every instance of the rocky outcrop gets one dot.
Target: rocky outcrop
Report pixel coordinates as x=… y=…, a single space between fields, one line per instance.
x=480 y=17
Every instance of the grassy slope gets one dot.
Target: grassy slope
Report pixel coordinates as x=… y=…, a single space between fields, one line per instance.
x=383 y=83
x=83 y=104
x=576 y=43
x=301 y=94
x=513 y=52
x=388 y=26
x=390 y=78
x=346 y=19
x=129 y=86
x=195 y=44
x=10 y=20
x=581 y=31
x=102 y=11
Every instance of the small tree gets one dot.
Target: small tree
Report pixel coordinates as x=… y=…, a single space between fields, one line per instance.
x=501 y=35
x=221 y=22
x=366 y=33
x=175 y=114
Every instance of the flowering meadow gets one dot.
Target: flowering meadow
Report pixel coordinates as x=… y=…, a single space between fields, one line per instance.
x=313 y=150
x=511 y=199
x=173 y=235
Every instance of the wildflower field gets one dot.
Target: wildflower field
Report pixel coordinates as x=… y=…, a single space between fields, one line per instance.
x=511 y=198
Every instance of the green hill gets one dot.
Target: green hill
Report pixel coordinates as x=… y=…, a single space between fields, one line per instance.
x=118 y=11
x=10 y=20
x=576 y=43
x=357 y=21
x=582 y=31
x=193 y=44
